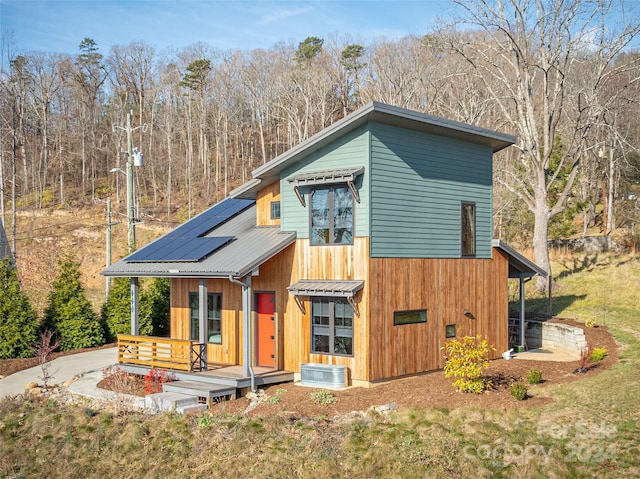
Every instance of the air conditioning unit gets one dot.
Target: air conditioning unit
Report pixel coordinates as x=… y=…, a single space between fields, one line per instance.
x=329 y=376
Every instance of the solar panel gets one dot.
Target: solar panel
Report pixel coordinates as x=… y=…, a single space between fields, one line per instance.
x=191 y=250
x=187 y=243
x=211 y=218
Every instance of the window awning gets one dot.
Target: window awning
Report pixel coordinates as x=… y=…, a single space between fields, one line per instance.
x=334 y=288
x=326 y=177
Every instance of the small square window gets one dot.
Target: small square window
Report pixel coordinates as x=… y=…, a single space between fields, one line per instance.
x=275 y=210
x=450 y=331
x=409 y=317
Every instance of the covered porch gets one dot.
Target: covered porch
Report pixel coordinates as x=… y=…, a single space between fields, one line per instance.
x=522 y=269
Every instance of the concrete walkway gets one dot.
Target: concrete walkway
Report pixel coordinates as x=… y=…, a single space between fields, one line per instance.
x=63 y=369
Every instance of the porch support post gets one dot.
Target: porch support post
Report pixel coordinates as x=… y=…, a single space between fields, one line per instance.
x=135 y=327
x=247 y=370
x=521 y=311
x=203 y=316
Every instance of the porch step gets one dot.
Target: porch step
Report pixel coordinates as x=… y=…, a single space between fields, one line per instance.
x=169 y=401
x=200 y=389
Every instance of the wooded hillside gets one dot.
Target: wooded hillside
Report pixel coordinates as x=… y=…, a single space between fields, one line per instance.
x=562 y=75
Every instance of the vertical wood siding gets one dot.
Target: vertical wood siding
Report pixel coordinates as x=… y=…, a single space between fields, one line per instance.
x=345 y=262
x=446 y=288
x=263 y=204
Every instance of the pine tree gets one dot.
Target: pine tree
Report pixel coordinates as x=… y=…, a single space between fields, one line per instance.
x=69 y=313
x=155 y=306
x=116 y=311
x=18 y=320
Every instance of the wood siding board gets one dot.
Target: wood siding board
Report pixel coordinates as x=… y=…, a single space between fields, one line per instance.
x=445 y=287
x=263 y=204
x=426 y=176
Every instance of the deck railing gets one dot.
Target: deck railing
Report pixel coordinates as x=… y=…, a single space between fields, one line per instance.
x=166 y=353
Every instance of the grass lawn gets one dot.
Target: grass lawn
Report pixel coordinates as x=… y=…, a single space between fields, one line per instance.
x=589 y=430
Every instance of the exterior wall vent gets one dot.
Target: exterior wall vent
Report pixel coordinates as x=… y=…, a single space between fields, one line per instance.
x=328 y=376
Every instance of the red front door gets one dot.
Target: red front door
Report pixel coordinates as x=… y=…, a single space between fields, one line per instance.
x=266 y=330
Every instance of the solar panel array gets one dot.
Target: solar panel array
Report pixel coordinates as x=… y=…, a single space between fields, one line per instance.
x=187 y=242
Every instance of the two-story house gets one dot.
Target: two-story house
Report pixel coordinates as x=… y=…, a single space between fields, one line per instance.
x=367 y=246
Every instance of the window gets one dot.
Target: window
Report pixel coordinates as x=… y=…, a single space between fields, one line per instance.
x=331 y=326
x=331 y=216
x=409 y=317
x=450 y=331
x=468 y=229
x=214 y=317
x=275 y=210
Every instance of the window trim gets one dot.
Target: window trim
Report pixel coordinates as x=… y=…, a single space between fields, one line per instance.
x=191 y=317
x=422 y=318
x=473 y=230
x=332 y=326
x=331 y=218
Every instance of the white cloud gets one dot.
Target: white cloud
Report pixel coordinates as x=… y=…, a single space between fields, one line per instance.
x=276 y=16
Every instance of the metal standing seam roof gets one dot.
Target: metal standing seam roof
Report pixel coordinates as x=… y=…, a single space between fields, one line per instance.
x=318 y=287
x=252 y=246
x=518 y=264
x=375 y=112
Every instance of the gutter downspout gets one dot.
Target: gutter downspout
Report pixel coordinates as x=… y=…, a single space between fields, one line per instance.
x=246 y=316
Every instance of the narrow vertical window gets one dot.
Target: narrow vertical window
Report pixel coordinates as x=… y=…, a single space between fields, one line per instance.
x=194 y=317
x=468 y=229
x=214 y=317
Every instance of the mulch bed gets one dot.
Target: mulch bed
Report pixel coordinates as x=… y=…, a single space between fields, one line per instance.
x=424 y=390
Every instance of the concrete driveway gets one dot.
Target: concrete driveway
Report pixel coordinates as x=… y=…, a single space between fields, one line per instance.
x=62 y=369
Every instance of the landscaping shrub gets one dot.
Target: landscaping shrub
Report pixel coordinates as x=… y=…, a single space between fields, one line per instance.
x=466 y=359
x=518 y=391
x=323 y=398
x=598 y=354
x=69 y=313
x=154 y=380
x=18 y=320
x=534 y=376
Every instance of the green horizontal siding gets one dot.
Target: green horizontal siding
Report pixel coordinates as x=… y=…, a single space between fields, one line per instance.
x=418 y=182
x=352 y=150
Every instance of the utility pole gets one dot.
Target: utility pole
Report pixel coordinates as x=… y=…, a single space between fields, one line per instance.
x=134 y=158
x=109 y=225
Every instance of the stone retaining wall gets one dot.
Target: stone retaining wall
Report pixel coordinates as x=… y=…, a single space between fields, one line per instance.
x=543 y=334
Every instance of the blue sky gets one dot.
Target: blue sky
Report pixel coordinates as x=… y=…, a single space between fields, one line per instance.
x=60 y=25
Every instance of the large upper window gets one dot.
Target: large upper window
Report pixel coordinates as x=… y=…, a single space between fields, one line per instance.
x=468 y=229
x=331 y=326
x=331 y=215
x=214 y=317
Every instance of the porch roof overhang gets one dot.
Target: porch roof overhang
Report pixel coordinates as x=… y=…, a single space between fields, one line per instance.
x=251 y=246
x=332 y=288
x=519 y=265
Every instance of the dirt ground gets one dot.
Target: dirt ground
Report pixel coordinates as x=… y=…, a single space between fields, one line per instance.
x=425 y=390
x=430 y=389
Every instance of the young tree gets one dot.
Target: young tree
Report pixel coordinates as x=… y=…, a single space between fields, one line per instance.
x=116 y=311
x=155 y=307
x=18 y=321
x=69 y=313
